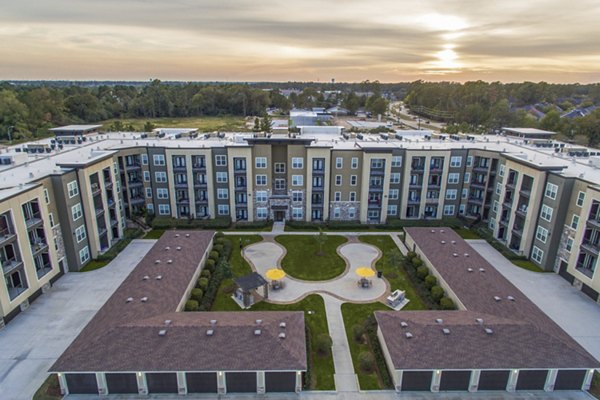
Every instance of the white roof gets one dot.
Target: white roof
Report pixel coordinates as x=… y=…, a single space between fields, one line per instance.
x=75 y=128
x=528 y=131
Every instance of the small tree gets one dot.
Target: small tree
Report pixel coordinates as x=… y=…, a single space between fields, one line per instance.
x=422 y=272
x=321 y=239
x=203 y=284
x=191 y=305
x=430 y=281
x=197 y=294
x=149 y=126
x=256 y=125
x=446 y=303
x=366 y=361
x=265 y=124
x=323 y=344
x=437 y=293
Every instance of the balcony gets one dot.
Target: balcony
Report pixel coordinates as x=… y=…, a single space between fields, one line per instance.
x=521 y=211
x=377 y=171
x=590 y=247
x=376 y=188
x=113 y=222
x=320 y=171
x=593 y=223
x=508 y=203
x=525 y=192
x=39 y=246
x=136 y=200
x=10 y=265
x=200 y=184
x=417 y=168
x=199 y=167
x=482 y=169
x=202 y=201
x=99 y=211
x=587 y=271
x=503 y=221
x=511 y=184
x=415 y=185
x=518 y=230
x=414 y=200
x=479 y=184
x=475 y=200
x=374 y=204
x=95 y=189
x=239 y=170
x=179 y=168
x=183 y=200
x=432 y=200
x=108 y=184
x=181 y=185
x=135 y=183
x=317 y=188
x=6 y=236
x=13 y=292
x=33 y=220
x=241 y=186
x=111 y=203
x=133 y=166
x=435 y=169
x=102 y=231
x=433 y=185
x=43 y=270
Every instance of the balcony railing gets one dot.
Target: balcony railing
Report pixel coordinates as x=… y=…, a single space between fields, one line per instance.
x=39 y=247
x=5 y=235
x=10 y=265
x=179 y=168
x=183 y=200
x=181 y=185
x=590 y=246
x=95 y=189
x=414 y=200
x=33 y=220
x=136 y=200
x=43 y=270
x=586 y=270
x=198 y=167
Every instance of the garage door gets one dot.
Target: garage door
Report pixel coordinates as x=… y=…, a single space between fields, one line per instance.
x=241 y=382
x=570 y=379
x=161 y=382
x=416 y=380
x=532 y=379
x=121 y=383
x=493 y=380
x=201 y=382
x=455 y=380
x=280 y=381
x=82 y=383
x=562 y=271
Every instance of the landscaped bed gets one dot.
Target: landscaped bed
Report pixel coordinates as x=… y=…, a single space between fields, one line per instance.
x=307 y=261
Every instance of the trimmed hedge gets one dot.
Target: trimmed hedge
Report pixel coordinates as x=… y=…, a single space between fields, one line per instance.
x=430 y=281
x=437 y=293
x=253 y=226
x=446 y=303
x=196 y=294
x=177 y=223
x=422 y=272
x=205 y=274
x=202 y=284
x=191 y=305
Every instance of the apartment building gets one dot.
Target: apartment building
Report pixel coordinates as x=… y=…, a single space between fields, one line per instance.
x=536 y=195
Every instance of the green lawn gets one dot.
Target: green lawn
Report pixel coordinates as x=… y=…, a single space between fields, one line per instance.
x=154 y=234
x=528 y=265
x=302 y=260
x=322 y=369
x=467 y=233
x=395 y=275
x=50 y=389
x=357 y=314
x=204 y=124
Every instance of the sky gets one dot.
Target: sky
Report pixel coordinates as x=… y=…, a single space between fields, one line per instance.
x=301 y=40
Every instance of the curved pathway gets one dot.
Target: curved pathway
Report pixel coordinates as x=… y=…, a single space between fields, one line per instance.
x=266 y=255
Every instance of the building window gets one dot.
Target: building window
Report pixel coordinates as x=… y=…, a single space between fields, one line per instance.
x=569 y=245
x=220 y=160
x=336 y=212
x=279 y=184
x=537 y=254
x=84 y=255
x=580 y=199
x=392 y=209
x=353 y=180
x=495 y=206
x=260 y=162
x=261 y=212
x=148 y=193
x=449 y=209
x=551 y=191
x=337 y=196
x=394 y=194
x=150 y=208
x=297 y=162
x=373 y=214
x=465 y=193
x=467 y=177
x=160 y=176
x=352 y=196
x=377 y=163
x=541 y=234
x=51 y=218
x=461 y=209
x=498 y=188
x=455 y=162
x=297 y=213
x=352 y=213
x=261 y=180
x=502 y=169
x=453 y=178
x=395 y=177
x=261 y=196
x=354 y=163
x=80 y=234
x=279 y=167
x=144 y=159
x=338 y=180
x=575 y=221
x=73 y=189
x=164 y=209
x=146 y=176
x=76 y=211
x=221 y=177
x=297 y=196
x=159 y=159
x=546 y=213
x=297 y=180
x=222 y=194
x=223 y=209
x=396 y=161
x=469 y=161
x=451 y=194
x=162 y=193
x=46 y=196
x=339 y=162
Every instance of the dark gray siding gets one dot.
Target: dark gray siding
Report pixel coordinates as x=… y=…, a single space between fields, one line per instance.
x=570 y=379
x=82 y=383
x=162 y=382
x=280 y=381
x=493 y=380
x=455 y=380
x=121 y=383
x=241 y=382
x=416 y=380
x=201 y=382
x=534 y=379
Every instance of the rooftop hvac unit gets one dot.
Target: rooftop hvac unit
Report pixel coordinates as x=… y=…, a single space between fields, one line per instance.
x=469 y=269
x=439 y=321
x=158 y=277
x=168 y=248
x=156 y=261
x=144 y=299
x=177 y=235
x=479 y=321
x=178 y=248
x=146 y=277
x=497 y=298
x=511 y=298
x=213 y=322
x=169 y=261
x=481 y=269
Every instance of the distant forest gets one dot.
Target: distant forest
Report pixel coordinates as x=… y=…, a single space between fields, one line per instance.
x=29 y=108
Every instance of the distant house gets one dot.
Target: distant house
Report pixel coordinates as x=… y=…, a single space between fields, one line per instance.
x=580 y=112
x=300 y=117
x=337 y=110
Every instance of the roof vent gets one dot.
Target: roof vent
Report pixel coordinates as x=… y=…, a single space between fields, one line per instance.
x=281 y=335
x=469 y=269
x=210 y=332
x=258 y=321
x=497 y=298
x=213 y=322
x=282 y=325
x=443 y=242
x=454 y=254
x=162 y=332
x=408 y=335
x=129 y=299
x=433 y=231
x=168 y=322
x=511 y=298
x=169 y=261
x=489 y=331
x=144 y=299
x=257 y=332
x=441 y=231
x=146 y=277
x=466 y=254
x=158 y=277
x=454 y=242
x=479 y=321
x=403 y=324
x=177 y=235
x=178 y=248
x=439 y=321
x=168 y=248
x=187 y=235
x=156 y=261
x=446 y=331
x=481 y=269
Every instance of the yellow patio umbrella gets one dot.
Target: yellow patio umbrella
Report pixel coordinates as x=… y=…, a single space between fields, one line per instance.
x=275 y=274
x=365 y=272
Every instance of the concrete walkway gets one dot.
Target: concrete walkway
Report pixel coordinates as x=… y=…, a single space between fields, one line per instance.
x=267 y=254
x=33 y=341
x=572 y=310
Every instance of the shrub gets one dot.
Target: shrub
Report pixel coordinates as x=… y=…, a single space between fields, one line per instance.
x=446 y=303
x=358 y=332
x=197 y=294
x=253 y=226
x=175 y=223
x=411 y=254
x=323 y=344
x=191 y=305
x=220 y=240
x=437 y=293
x=203 y=284
x=210 y=265
x=227 y=247
x=213 y=255
x=416 y=262
x=430 y=281
x=205 y=274
x=219 y=235
x=221 y=271
x=366 y=361
x=218 y=248
x=422 y=272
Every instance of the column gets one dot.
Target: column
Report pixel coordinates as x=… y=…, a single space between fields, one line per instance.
x=142 y=384
x=587 y=382
x=260 y=382
x=181 y=383
x=62 y=381
x=398 y=381
x=101 y=382
x=550 y=380
x=512 y=380
x=298 y=381
x=221 y=383
x=474 y=382
x=435 y=381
